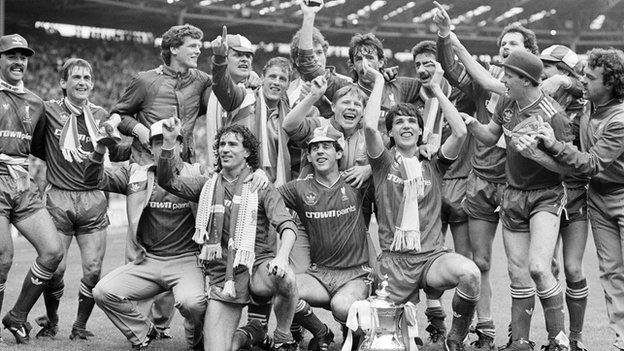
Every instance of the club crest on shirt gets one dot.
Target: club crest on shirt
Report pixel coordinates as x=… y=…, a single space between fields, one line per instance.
x=64 y=117
x=507 y=115
x=310 y=198
x=136 y=187
x=5 y=107
x=344 y=194
x=27 y=114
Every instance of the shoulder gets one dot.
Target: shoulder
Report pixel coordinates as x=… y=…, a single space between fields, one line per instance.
x=549 y=107
x=53 y=104
x=97 y=109
x=33 y=98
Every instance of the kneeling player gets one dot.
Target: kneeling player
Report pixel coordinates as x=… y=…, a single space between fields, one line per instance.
x=233 y=226
x=414 y=256
x=331 y=212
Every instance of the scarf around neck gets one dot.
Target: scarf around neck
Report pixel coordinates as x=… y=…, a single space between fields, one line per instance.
x=69 y=141
x=242 y=227
x=407 y=232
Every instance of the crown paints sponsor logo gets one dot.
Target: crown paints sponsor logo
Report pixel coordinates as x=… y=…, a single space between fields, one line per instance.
x=169 y=205
x=14 y=134
x=331 y=213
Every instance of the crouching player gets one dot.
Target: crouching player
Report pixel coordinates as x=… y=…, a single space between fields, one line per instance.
x=161 y=226
x=331 y=212
x=233 y=224
x=414 y=256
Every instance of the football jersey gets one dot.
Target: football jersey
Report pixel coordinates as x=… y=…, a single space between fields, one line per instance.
x=61 y=173
x=167 y=224
x=333 y=219
x=22 y=121
x=388 y=184
x=523 y=173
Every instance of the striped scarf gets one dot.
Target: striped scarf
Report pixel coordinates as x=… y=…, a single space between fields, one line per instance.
x=69 y=142
x=432 y=115
x=242 y=226
x=407 y=233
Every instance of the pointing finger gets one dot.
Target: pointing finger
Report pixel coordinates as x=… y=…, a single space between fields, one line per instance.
x=224 y=34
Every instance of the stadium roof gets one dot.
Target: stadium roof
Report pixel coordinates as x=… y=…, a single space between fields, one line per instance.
x=579 y=23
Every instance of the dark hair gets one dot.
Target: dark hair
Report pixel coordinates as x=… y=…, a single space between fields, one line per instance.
x=335 y=143
x=249 y=142
x=317 y=38
x=280 y=62
x=404 y=109
x=612 y=62
x=351 y=88
x=174 y=38
x=425 y=47
x=71 y=63
x=359 y=40
x=530 y=41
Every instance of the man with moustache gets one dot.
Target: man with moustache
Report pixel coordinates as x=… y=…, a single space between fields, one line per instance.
x=21 y=134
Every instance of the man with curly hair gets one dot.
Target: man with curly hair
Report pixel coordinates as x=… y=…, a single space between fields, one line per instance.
x=175 y=89
x=602 y=158
x=232 y=225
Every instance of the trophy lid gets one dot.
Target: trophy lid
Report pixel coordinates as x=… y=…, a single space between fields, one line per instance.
x=381 y=298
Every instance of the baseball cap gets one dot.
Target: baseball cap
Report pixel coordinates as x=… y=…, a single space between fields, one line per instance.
x=15 y=41
x=560 y=53
x=524 y=63
x=156 y=129
x=327 y=133
x=239 y=43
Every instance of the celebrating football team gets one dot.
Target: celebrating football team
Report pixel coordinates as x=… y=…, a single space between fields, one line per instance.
x=321 y=185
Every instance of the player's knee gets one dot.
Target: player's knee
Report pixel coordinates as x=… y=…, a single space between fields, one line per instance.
x=470 y=274
x=573 y=271
x=6 y=261
x=539 y=270
x=287 y=285
x=340 y=307
x=52 y=255
x=92 y=271
x=102 y=295
x=483 y=263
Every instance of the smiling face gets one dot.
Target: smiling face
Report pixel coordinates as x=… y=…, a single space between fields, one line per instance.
x=239 y=64
x=324 y=156
x=274 y=83
x=78 y=85
x=510 y=42
x=186 y=54
x=424 y=63
x=232 y=153
x=13 y=65
x=405 y=131
x=348 y=111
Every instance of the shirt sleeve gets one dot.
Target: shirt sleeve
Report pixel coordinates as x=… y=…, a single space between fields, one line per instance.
x=381 y=165
x=307 y=65
x=229 y=94
x=289 y=194
x=37 y=144
x=130 y=103
x=303 y=132
x=599 y=157
x=441 y=163
x=497 y=116
x=114 y=180
x=276 y=210
x=169 y=178
x=562 y=127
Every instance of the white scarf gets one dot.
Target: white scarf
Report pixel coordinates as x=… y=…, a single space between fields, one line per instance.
x=281 y=168
x=407 y=231
x=69 y=142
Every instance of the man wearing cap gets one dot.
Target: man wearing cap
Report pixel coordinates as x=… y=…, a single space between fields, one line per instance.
x=21 y=133
x=161 y=228
x=175 y=89
x=232 y=226
x=78 y=209
x=239 y=60
x=413 y=253
x=560 y=61
x=486 y=182
x=533 y=199
x=261 y=110
x=602 y=158
x=331 y=212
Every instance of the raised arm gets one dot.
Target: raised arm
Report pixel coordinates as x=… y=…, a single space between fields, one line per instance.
x=306 y=63
x=113 y=180
x=229 y=94
x=486 y=133
x=374 y=141
x=451 y=147
x=170 y=165
x=296 y=117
